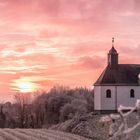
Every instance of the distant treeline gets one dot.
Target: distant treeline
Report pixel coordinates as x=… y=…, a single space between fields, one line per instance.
x=47 y=109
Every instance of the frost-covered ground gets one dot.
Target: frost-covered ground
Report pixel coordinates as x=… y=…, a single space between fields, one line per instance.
x=36 y=134
x=89 y=126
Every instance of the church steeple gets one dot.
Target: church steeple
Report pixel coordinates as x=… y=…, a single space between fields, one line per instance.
x=113 y=57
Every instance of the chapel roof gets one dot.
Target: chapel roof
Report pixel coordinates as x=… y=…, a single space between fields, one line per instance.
x=125 y=74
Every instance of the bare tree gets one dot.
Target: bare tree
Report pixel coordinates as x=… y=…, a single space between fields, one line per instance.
x=22 y=101
x=2 y=118
x=122 y=131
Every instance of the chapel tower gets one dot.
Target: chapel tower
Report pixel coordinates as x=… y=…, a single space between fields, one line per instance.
x=113 y=57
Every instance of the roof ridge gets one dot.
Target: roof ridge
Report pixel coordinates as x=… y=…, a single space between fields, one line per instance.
x=129 y=64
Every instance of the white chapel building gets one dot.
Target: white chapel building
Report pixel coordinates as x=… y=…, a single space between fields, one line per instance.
x=117 y=85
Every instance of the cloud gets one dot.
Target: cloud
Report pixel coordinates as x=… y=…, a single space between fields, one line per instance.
x=88 y=62
x=64 y=41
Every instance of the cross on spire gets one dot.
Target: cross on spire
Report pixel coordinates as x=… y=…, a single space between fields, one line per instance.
x=113 y=41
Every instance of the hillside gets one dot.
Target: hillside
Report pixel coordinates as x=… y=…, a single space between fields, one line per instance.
x=89 y=126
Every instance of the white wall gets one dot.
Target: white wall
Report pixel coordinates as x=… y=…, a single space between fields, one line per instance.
x=120 y=95
x=108 y=103
x=123 y=95
x=97 y=98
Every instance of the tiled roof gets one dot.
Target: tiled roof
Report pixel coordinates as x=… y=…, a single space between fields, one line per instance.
x=124 y=74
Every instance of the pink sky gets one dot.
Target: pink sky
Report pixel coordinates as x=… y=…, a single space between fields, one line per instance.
x=65 y=42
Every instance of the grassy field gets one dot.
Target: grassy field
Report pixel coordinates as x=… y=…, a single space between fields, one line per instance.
x=37 y=134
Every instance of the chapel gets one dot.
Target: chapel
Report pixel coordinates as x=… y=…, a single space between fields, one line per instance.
x=118 y=84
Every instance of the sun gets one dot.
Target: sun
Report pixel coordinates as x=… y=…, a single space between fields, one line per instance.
x=25 y=87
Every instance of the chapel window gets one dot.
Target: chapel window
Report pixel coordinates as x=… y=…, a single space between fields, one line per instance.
x=108 y=93
x=132 y=93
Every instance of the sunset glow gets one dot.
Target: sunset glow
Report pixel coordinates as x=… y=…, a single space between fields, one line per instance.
x=26 y=87
x=49 y=42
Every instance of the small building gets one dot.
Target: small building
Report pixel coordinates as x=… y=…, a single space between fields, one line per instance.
x=119 y=84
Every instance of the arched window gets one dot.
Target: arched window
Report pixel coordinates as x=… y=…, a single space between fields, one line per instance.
x=108 y=93
x=132 y=93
